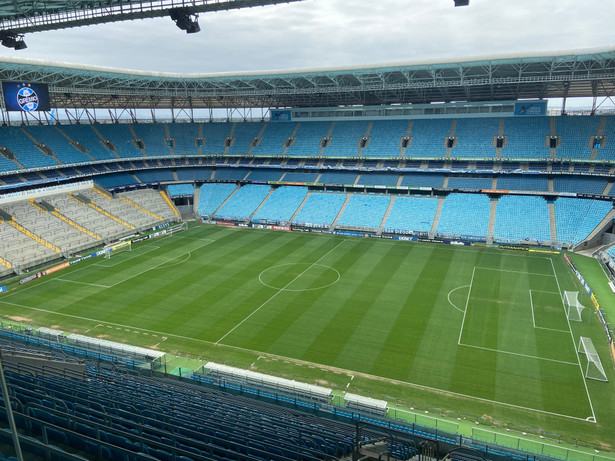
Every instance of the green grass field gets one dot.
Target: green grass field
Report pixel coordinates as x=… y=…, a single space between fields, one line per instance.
x=468 y=330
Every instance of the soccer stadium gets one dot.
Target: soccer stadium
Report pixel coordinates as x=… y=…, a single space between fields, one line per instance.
x=413 y=261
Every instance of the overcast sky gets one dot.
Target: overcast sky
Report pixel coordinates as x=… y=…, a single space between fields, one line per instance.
x=316 y=33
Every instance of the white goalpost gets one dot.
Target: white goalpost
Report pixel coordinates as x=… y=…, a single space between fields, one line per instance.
x=574 y=308
x=594 y=368
x=118 y=248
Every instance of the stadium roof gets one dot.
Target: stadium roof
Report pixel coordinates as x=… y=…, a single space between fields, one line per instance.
x=576 y=73
x=21 y=16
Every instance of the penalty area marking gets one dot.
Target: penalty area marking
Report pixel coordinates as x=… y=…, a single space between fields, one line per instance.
x=302 y=289
x=451 y=292
x=335 y=370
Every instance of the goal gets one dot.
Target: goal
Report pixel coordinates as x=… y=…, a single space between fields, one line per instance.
x=573 y=307
x=117 y=248
x=594 y=368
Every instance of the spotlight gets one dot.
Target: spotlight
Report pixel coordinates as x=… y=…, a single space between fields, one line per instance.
x=185 y=20
x=462 y=2
x=13 y=40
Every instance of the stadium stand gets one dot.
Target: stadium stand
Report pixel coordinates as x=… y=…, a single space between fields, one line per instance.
x=385 y=138
x=469 y=182
x=116 y=179
x=364 y=211
x=151 y=201
x=606 y=151
x=265 y=174
x=422 y=180
x=320 y=209
x=522 y=218
x=184 y=136
x=53 y=138
x=411 y=214
x=298 y=176
x=281 y=204
x=465 y=214
x=338 y=177
x=575 y=133
x=575 y=218
x=243 y=135
x=176 y=190
x=526 y=137
x=153 y=137
x=88 y=139
x=307 y=140
x=244 y=202
x=534 y=183
x=475 y=137
x=215 y=135
x=274 y=137
x=428 y=138
x=581 y=184
x=23 y=148
x=380 y=179
x=194 y=174
x=236 y=174
x=155 y=176
x=121 y=138
x=345 y=138
x=212 y=195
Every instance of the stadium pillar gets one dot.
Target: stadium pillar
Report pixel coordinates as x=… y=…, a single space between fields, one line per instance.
x=9 y=413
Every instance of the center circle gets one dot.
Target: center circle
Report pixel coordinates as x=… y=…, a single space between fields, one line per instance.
x=299 y=277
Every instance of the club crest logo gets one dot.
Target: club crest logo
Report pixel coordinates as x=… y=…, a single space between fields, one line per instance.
x=27 y=99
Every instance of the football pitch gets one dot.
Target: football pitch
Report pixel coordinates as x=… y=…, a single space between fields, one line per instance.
x=472 y=329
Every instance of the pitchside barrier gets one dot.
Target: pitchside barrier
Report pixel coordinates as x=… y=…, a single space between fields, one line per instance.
x=599 y=311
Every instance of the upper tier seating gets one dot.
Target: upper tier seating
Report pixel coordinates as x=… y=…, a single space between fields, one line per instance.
x=364 y=211
x=244 y=202
x=152 y=176
x=380 y=179
x=194 y=174
x=338 y=177
x=411 y=214
x=422 y=180
x=236 y=174
x=185 y=135
x=299 y=176
x=465 y=214
x=345 y=138
x=154 y=138
x=469 y=182
x=385 y=138
x=276 y=133
x=575 y=133
x=281 y=204
x=116 y=179
x=522 y=218
x=87 y=137
x=24 y=149
x=212 y=195
x=265 y=174
x=307 y=138
x=475 y=137
x=215 y=135
x=320 y=209
x=575 y=218
x=122 y=139
x=60 y=146
x=243 y=135
x=607 y=149
x=526 y=137
x=428 y=138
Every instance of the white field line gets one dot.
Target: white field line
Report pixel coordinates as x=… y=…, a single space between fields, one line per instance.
x=574 y=343
x=534 y=319
x=139 y=273
x=312 y=364
x=451 y=292
x=513 y=272
x=133 y=254
x=279 y=291
x=467 y=303
x=519 y=354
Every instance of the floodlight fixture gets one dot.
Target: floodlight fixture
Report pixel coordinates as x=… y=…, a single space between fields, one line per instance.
x=185 y=20
x=462 y=2
x=12 y=40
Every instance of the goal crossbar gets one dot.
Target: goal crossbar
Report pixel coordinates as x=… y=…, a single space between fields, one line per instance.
x=574 y=308
x=122 y=246
x=594 y=369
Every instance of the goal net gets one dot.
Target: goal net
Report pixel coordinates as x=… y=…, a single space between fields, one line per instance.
x=118 y=248
x=573 y=307
x=594 y=368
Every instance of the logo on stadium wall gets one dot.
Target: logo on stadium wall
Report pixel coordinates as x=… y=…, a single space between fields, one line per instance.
x=27 y=99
